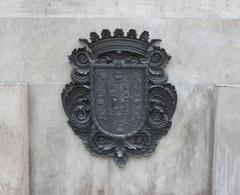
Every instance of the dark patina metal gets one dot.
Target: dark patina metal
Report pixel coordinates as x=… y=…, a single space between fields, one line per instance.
x=119 y=102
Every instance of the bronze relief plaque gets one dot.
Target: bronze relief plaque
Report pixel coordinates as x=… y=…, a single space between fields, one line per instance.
x=119 y=102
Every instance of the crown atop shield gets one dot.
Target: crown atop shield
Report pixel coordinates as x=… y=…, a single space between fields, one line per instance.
x=118 y=42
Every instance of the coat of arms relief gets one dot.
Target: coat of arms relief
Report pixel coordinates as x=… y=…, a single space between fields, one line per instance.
x=119 y=101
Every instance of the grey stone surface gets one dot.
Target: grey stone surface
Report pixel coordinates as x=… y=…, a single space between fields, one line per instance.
x=226 y=175
x=14 y=139
x=121 y=8
x=11 y=61
x=61 y=165
x=204 y=51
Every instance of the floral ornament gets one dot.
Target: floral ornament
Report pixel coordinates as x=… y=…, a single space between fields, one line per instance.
x=144 y=36
x=132 y=34
x=101 y=144
x=118 y=33
x=106 y=34
x=139 y=143
x=80 y=59
x=158 y=58
x=94 y=37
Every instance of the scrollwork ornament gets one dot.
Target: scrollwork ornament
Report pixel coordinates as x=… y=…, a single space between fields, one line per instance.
x=158 y=58
x=119 y=101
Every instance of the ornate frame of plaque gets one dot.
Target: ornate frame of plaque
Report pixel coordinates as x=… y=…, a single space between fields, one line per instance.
x=119 y=102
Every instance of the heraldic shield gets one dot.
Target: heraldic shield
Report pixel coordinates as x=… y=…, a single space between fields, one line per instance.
x=118 y=97
x=119 y=103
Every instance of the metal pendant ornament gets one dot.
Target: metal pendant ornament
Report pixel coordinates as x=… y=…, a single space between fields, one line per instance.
x=119 y=101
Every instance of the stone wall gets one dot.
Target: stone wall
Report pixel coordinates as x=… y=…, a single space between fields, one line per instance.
x=40 y=153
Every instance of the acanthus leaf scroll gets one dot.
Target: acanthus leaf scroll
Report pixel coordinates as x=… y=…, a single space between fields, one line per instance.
x=119 y=101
